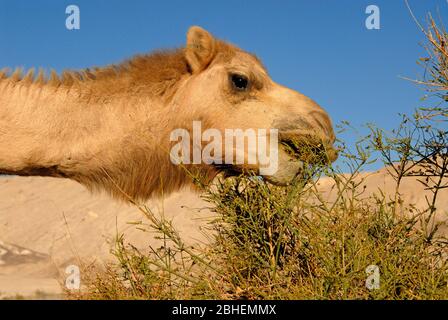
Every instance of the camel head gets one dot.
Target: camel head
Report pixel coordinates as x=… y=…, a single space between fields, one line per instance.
x=230 y=89
x=127 y=128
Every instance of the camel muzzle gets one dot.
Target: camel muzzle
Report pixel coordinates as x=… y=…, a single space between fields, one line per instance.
x=308 y=147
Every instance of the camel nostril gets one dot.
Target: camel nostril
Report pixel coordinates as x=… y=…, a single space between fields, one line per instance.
x=292 y=123
x=323 y=121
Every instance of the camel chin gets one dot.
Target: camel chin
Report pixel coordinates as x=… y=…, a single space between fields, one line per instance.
x=288 y=170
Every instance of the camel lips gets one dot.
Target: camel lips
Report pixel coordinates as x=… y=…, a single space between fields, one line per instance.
x=313 y=151
x=261 y=148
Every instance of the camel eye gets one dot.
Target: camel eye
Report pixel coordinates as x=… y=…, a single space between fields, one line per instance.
x=239 y=82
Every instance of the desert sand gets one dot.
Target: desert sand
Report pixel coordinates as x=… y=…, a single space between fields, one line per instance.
x=47 y=224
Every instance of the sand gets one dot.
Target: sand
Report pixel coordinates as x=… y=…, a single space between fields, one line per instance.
x=47 y=224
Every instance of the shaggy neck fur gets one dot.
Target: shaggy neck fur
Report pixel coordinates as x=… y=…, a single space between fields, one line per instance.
x=92 y=126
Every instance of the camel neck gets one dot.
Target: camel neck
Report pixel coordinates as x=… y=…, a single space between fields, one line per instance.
x=111 y=143
x=45 y=130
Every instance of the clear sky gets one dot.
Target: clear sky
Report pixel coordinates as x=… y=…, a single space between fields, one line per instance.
x=319 y=47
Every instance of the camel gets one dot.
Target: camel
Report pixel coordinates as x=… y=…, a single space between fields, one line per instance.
x=108 y=128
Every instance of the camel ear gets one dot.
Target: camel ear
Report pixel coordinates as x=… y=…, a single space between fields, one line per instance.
x=200 y=49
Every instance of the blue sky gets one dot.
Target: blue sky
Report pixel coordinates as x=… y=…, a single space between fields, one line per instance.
x=320 y=48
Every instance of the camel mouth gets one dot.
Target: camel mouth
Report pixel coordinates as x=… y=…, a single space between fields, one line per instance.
x=297 y=155
x=311 y=149
x=229 y=170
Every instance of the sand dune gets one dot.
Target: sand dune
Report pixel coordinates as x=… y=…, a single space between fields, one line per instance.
x=48 y=224
x=59 y=222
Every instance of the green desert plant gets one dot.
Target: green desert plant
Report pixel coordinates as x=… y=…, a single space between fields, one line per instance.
x=286 y=243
